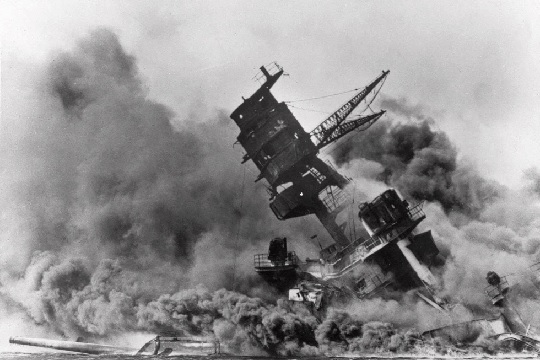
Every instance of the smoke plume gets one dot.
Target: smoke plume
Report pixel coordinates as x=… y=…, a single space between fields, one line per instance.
x=478 y=225
x=115 y=209
x=96 y=177
x=419 y=161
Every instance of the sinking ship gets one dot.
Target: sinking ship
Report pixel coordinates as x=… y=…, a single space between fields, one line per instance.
x=391 y=256
x=386 y=256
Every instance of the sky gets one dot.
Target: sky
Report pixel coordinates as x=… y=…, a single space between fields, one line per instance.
x=473 y=67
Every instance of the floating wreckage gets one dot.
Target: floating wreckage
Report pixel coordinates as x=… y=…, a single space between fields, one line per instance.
x=160 y=345
x=384 y=256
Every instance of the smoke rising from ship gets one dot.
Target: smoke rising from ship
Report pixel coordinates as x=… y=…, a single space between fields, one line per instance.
x=478 y=224
x=419 y=161
x=94 y=170
x=112 y=215
x=94 y=165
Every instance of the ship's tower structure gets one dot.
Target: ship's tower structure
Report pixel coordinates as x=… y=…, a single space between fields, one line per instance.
x=286 y=155
x=301 y=184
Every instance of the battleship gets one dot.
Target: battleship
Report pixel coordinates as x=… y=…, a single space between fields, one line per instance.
x=392 y=257
x=376 y=252
x=389 y=256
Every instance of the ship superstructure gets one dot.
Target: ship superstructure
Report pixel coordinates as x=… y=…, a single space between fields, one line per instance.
x=390 y=255
x=506 y=325
x=301 y=183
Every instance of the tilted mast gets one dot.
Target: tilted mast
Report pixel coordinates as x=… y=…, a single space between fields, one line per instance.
x=345 y=128
x=329 y=126
x=286 y=156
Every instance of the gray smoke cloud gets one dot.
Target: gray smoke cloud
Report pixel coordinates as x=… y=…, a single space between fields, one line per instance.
x=115 y=209
x=532 y=177
x=478 y=225
x=111 y=300
x=418 y=160
x=96 y=168
x=505 y=239
x=95 y=178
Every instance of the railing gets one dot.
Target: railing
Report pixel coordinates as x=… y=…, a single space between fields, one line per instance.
x=416 y=212
x=373 y=242
x=272 y=68
x=345 y=260
x=348 y=249
x=334 y=198
x=261 y=261
x=360 y=248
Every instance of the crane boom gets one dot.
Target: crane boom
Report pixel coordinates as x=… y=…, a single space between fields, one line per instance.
x=349 y=126
x=328 y=126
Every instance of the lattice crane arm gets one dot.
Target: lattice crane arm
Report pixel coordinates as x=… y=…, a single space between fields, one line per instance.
x=328 y=126
x=349 y=126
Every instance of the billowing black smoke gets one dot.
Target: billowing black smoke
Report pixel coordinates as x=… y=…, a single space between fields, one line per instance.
x=96 y=168
x=419 y=161
x=110 y=301
x=92 y=170
x=114 y=209
x=342 y=331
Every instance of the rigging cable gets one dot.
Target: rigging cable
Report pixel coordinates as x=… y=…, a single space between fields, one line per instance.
x=239 y=228
x=317 y=111
x=322 y=97
x=335 y=94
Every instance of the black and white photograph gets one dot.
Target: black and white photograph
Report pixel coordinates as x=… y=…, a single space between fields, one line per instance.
x=253 y=180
